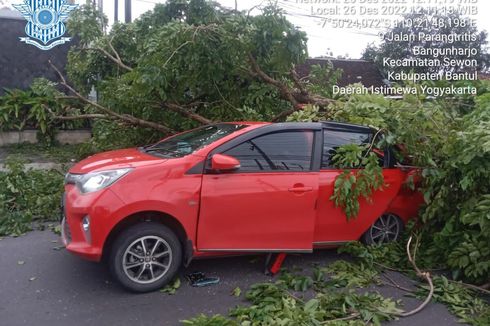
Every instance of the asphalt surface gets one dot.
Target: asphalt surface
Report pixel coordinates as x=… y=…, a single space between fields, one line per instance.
x=43 y=286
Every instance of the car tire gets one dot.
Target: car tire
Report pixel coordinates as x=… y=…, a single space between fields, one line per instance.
x=145 y=257
x=387 y=228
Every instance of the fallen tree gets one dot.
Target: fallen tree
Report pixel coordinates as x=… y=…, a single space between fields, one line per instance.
x=188 y=63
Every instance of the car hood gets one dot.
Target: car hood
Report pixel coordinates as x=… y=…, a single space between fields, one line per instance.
x=123 y=158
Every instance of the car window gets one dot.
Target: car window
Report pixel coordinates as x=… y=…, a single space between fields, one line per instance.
x=281 y=151
x=189 y=142
x=332 y=139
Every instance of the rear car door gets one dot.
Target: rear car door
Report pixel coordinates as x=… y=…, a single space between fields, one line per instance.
x=268 y=204
x=332 y=226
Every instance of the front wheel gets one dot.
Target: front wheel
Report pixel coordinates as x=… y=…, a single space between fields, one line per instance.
x=387 y=228
x=145 y=257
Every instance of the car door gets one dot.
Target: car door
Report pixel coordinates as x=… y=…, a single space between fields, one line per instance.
x=268 y=204
x=332 y=226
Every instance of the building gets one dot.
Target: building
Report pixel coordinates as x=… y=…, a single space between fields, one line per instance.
x=353 y=71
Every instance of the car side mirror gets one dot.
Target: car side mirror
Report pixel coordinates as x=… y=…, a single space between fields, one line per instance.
x=223 y=163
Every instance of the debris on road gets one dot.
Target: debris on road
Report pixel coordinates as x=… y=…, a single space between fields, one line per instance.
x=199 y=279
x=172 y=287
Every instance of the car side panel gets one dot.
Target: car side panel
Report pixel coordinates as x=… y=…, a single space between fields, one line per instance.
x=408 y=201
x=257 y=211
x=172 y=191
x=331 y=222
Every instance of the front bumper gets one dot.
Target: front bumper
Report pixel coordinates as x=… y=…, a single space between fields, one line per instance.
x=80 y=248
x=99 y=207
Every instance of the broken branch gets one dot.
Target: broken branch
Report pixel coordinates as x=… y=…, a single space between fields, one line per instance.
x=424 y=275
x=115 y=58
x=283 y=89
x=296 y=98
x=182 y=110
x=76 y=117
x=123 y=117
x=350 y=317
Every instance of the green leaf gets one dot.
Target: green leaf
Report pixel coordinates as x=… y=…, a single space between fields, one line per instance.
x=236 y=292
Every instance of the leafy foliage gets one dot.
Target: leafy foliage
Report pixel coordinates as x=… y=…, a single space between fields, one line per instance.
x=185 y=58
x=333 y=303
x=390 y=254
x=28 y=152
x=460 y=300
x=216 y=320
x=22 y=109
x=309 y=113
x=272 y=305
x=171 y=288
x=449 y=142
x=27 y=196
x=351 y=185
x=346 y=274
x=14 y=223
x=458 y=196
x=110 y=135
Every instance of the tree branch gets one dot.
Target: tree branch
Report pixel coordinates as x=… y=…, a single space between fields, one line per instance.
x=296 y=98
x=424 y=275
x=182 y=110
x=394 y=284
x=298 y=83
x=350 y=317
x=481 y=288
x=115 y=58
x=76 y=117
x=123 y=117
x=174 y=53
x=283 y=89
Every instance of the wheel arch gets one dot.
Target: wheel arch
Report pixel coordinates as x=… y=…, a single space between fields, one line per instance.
x=402 y=225
x=149 y=216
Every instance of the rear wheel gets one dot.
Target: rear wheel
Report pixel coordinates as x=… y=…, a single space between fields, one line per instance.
x=145 y=257
x=388 y=227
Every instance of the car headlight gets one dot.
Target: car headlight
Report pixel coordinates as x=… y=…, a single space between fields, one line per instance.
x=94 y=181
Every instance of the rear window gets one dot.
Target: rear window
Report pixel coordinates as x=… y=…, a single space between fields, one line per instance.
x=332 y=139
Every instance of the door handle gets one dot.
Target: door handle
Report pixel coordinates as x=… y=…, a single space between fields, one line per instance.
x=300 y=189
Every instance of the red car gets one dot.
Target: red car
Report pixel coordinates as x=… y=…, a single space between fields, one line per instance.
x=225 y=188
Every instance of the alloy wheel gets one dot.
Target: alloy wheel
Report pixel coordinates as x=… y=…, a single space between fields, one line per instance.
x=385 y=229
x=147 y=259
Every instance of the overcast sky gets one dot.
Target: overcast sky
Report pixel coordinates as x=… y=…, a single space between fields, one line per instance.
x=321 y=39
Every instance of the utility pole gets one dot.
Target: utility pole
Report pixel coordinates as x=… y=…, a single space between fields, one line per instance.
x=127 y=11
x=116 y=9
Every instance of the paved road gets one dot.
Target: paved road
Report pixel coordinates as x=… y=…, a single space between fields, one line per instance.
x=69 y=291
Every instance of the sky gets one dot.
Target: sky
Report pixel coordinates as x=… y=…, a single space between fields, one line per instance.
x=323 y=39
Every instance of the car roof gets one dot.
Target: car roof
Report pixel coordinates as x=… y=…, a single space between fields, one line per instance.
x=331 y=125
x=342 y=126
x=248 y=123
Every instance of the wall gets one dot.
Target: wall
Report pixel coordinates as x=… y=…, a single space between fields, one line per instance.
x=30 y=136
x=20 y=63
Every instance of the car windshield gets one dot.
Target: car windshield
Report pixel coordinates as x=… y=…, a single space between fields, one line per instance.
x=188 y=142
